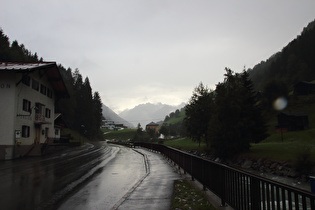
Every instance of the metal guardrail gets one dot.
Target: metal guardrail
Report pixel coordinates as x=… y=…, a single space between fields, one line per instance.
x=241 y=190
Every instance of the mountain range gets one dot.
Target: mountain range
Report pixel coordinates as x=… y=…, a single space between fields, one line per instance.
x=146 y=113
x=142 y=113
x=111 y=115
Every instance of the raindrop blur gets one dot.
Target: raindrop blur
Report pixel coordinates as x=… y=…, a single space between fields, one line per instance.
x=280 y=103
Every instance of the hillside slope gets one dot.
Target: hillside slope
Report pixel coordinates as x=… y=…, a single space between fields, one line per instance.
x=146 y=113
x=111 y=115
x=293 y=64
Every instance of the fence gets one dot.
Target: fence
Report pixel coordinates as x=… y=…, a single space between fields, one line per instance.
x=241 y=190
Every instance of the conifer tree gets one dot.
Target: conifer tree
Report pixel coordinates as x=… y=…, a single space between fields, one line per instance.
x=236 y=119
x=198 y=113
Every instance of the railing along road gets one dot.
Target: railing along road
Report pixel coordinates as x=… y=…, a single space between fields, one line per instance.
x=241 y=190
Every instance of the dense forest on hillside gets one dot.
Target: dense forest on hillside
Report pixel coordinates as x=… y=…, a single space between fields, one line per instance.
x=293 y=64
x=15 y=52
x=173 y=125
x=83 y=110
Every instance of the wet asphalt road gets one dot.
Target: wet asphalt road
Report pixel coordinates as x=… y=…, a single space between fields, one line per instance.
x=43 y=182
x=94 y=176
x=155 y=189
x=113 y=182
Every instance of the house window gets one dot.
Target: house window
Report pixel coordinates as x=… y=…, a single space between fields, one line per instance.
x=26 y=105
x=26 y=80
x=35 y=84
x=49 y=93
x=25 y=131
x=43 y=89
x=39 y=108
x=57 y=132
x=48 y=112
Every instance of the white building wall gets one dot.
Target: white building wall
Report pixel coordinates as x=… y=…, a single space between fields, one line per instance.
x=7 y=108
x=27 y=92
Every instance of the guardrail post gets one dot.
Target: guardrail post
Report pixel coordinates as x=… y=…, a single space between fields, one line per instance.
x=184 y=163
x=223 y=184
x=203 y=176
x=191 y=168
x=255 y=194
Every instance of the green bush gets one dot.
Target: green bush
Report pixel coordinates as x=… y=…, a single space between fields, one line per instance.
x=303 y=162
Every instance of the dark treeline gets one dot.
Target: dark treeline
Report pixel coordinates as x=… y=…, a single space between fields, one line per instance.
x=82 y=111
x=176 y=129
x=173 y=129
x=228 y=118
x=15 y=52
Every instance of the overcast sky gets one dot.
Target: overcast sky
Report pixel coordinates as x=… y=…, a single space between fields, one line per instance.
x=139 y=51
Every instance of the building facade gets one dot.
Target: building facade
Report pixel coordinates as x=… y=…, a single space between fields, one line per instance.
x=27 y=105
x=152 y=126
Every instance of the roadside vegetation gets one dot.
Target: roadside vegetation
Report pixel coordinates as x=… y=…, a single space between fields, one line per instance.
x=74 y=136
x=186 y=144
x=287 y=149
x=119 y=135
x=173 y=125
x=275 y=150
x=187 y=196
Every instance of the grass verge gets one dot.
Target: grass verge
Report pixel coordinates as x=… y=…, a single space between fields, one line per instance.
x=185 y=144
x=285 y=147
x=275 y=147
x=186 y=196
x=120 y=135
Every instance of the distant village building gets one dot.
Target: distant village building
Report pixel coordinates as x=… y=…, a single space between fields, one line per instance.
x=27 y=104
x=304 y=88
x=292 y=121
x=152 y=126
x=108 y=124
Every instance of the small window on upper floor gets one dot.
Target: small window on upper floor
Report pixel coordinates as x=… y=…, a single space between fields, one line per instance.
x=26 y=80
x=35 y=84
x=47 y=113
x=43 y=89
x=49 y=93
x=26 y=105
x=40 y=108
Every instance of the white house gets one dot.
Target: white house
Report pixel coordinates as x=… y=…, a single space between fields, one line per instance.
x=27 y=105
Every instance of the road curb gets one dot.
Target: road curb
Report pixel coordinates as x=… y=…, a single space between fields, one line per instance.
x=127 y=195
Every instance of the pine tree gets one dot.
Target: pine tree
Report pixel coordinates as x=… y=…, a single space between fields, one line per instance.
x=97 y=114
x=237 y=120
x=198 y=113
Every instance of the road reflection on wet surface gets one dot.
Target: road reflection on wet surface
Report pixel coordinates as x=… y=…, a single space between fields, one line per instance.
x=109 y=187
x=48 y=182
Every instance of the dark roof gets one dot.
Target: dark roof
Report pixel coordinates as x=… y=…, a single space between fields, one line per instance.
x=293 y=114
x=152 y=124
x=49 y=69
x=304 y=82
x=59 y=121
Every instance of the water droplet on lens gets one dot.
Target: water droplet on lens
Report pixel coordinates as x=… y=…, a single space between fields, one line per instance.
x=280 y=103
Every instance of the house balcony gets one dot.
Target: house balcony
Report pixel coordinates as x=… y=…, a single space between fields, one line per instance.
x=40 y=119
